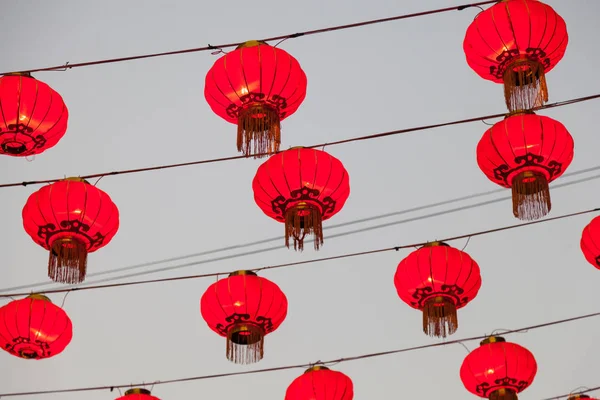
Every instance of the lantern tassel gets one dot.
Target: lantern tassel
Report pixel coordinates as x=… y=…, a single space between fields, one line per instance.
x=439 y=317
x=530 y=195
x=245 y=344
x=525 y=85
x=503 y=394
x=258 y=130
x=300 y=221
x=68 y=261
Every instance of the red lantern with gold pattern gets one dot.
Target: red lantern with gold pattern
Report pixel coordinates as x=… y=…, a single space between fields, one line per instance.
x=138 y=394
x=438 y=279
x=498 y=370
x=34 y=328
x=590 y=242
x=70 y=218
x=301 y=187
x=244 y=308
x=34 y=116
x=256 y=87
x=516 y=42
x=320 y=383
x=526 y=152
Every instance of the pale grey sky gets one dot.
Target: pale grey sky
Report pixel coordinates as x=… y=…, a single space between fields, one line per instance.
x=361 y=81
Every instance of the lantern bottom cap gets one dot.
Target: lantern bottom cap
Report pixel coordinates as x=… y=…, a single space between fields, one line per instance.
x=503 y=394
x=245 y=343
x=530 y=195
x=303 y=219
x=440 y=318
x=259 y=130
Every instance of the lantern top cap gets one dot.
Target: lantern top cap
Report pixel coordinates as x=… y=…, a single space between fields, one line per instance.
x=75 y=179
x=435 y=243
x=137 y=391
x=38 y=296
x=492 y=339
x=517 y=113
x=251 y=43
x=242 y=272
x=316 y=368
x=24 y=73
x=578 y=396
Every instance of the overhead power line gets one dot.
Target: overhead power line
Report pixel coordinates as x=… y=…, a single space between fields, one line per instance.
x=343 y=141
x=311 y=261
x=210 y=47
x=297 y=366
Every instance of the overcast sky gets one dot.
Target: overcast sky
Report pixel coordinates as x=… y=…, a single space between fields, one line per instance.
x=360 y=81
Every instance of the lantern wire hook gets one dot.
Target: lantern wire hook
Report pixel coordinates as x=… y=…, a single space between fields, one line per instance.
x=465 y=346
x=98 y=180
x=30 y=158
x=63 y=69
x=64 y=298
x=466 y=244
x=496 y=331
x=488 y=124
x=281 y=41
x=579 y=389
x=217 y=51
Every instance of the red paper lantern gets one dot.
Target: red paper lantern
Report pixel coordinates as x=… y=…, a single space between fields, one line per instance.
x=320 y=383
x=498 y=370
x=526 y=152
x=580 y=397
x=590 y=242
x=138 y=394
x=516 y=42
x=302 y=188
x=256 y=87
x=244 y=308
x=70 y=218
x=34 y=328
x=438 y=279
x=34 y=116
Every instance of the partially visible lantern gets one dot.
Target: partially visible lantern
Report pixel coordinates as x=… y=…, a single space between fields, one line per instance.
x=70 y=218
x=438 y=279
x=256 y=87
x=244 y=308
x=34 y=328
x=320 y=383
x=526 y=152
x=138 y=394
x=34 y=116
x=301 y=187
x=498 y=370
x=590 y=242
x=580 y=397
x=516 y=42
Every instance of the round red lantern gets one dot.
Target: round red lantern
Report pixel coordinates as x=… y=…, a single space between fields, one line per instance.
x=34 y=116
x=590 y=242
x=438 y=280
x=70 y=218
x=244 y=308
x=320 y=383
x=580 y=397
x=498 y=370
x=516 y=42
x=526 y=152
x=138 y=394
x=34 y=328
x=256 y=87
x=301 y=187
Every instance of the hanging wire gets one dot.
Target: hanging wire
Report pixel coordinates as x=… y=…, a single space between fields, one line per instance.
x=466 y=244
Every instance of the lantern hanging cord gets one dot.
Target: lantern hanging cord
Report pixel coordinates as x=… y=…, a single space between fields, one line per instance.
x=297 y=366
x=311 y=261
x=343 y=141
x=220 y=47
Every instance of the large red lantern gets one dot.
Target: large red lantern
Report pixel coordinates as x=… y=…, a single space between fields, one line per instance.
x=244 y=308
x=590 y=242
x=516 y=42
x=34 y=116
x=526 y=152
x=34 y=328
x=256 y=87
x=498 y=370
x=138 y=394
x=70 y=218
x=301 y=187
x=320 y=383
x=438 y=279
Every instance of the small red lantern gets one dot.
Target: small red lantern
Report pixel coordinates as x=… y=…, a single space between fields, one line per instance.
x=34 y=328
x=320 y=383
x=580 y=397
x=244 y=308
x=70 y=218
x=438 y=279
x=526 y=152
x=138 y=394
x=34 y=116
x=590 y=242
x=302 y=188
x=517 y=42
x=256 y=87
x=498 y=370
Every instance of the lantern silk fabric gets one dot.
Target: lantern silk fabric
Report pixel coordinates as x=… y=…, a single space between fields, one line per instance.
x=590 y=242
x=320 y=383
